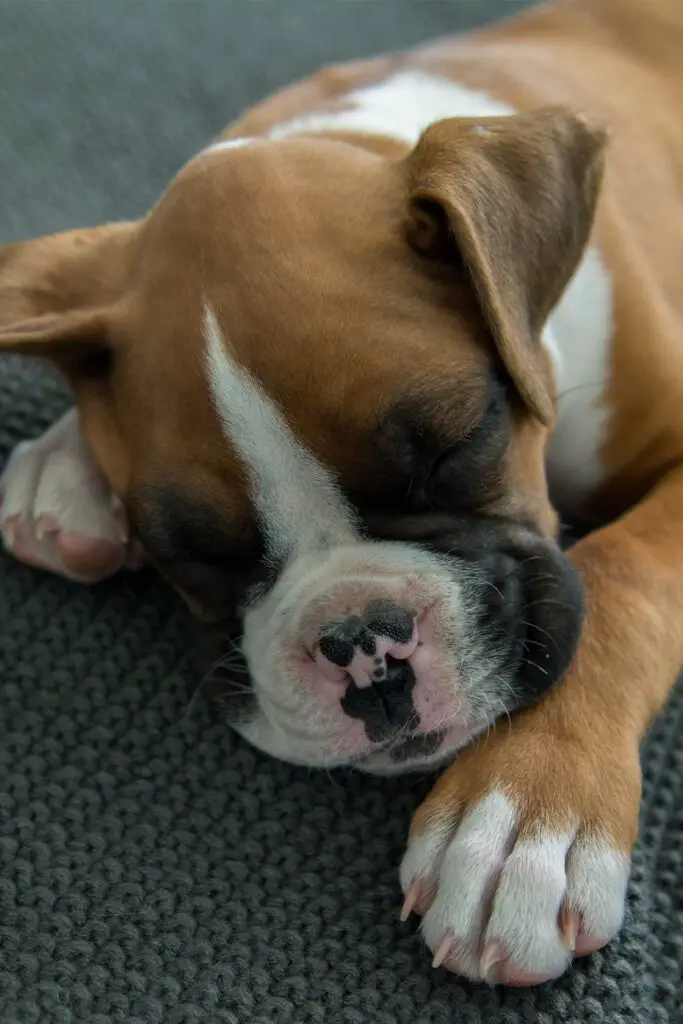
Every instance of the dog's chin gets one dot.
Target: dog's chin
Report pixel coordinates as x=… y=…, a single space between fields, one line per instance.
x=416 y=752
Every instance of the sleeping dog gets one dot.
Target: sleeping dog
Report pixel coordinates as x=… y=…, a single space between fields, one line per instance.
x=337 y=383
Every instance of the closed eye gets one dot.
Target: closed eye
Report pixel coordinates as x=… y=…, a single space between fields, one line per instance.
x=417 y=470
x=464 y=474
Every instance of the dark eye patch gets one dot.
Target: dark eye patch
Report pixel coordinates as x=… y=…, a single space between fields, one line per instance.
x=421 y=470
x=213 y=561
x=465 y=474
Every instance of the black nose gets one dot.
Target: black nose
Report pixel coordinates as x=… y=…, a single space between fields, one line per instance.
x=384 y=618
x=338 y=640
x=386 y=705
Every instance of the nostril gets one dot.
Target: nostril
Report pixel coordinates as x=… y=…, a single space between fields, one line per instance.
x=336 y=649
x=338 y=640
x=358 y=646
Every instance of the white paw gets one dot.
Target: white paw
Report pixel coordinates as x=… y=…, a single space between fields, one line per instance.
x=57 y=511
x=504 y=900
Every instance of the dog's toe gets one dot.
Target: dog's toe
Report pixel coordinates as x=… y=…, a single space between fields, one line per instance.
x=57 y=511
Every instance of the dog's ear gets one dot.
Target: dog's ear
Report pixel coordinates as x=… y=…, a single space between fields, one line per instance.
x=56 y=292
x=514 y=199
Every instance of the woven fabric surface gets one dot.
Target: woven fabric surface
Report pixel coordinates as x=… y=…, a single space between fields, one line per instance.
x=153 y=868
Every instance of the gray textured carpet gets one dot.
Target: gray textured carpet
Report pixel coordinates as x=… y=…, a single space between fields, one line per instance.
x=153 y=868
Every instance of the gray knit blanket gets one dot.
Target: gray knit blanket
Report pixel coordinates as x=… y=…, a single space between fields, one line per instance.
x=153 y=868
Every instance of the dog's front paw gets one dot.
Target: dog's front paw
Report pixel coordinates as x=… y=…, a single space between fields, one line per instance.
x=57 y=511
x=519 y=858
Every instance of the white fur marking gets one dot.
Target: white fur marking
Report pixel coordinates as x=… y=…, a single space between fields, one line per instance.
x=473 y=860
x=578 y=338
x=297 y=498
x=55 y=476
x=422 y=860
x=51 y=486
x=477 y=868
x=597 y=877
x=527 y=905
x=401 y=107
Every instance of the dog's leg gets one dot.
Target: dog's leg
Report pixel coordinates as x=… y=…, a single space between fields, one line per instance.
x=519 y=857
x=57 y=511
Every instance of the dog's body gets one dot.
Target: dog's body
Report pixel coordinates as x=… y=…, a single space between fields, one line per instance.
x=353 y=356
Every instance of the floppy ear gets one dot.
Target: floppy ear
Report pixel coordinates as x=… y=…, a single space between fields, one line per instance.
x=514 y=198
x=55 y=292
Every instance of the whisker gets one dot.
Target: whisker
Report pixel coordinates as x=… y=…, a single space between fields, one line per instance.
x=580 y=387
x=546 y=600
x=533 y=664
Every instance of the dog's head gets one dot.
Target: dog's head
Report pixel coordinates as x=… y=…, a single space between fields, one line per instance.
x=314 y=375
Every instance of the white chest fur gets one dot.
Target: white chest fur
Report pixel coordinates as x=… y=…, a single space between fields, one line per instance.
x=579 y=332
x=578 y=337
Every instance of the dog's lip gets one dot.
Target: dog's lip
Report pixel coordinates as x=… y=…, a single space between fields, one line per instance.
x=396 y=742
x=459 y=732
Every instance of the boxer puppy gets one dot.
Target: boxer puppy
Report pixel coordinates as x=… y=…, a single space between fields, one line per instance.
x=335 y=384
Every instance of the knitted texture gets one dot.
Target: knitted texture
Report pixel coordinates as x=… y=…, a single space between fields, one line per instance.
x=154 y=868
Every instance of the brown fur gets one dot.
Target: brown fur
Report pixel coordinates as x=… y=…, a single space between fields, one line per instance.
x=353 y=293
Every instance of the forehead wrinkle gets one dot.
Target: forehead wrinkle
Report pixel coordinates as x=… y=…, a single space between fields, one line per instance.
x=296 y=498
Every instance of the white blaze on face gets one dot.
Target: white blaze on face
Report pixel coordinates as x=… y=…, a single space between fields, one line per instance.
x=297 y=500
